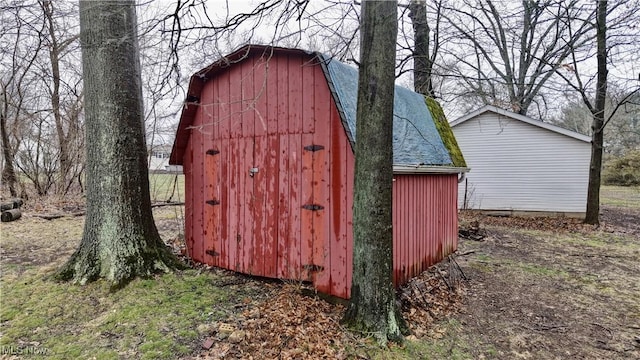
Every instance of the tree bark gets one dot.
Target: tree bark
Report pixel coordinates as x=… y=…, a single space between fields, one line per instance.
x=372 y=308
x=422 y=64
x=597 y=140
x=8 y=172
x=10 y=215
x=120 y=240
x=56 y=49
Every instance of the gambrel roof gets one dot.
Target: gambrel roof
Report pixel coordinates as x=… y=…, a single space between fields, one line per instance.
x=417 y=142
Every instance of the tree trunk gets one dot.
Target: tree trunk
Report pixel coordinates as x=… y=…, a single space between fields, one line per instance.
x=120 y=240
x=10 y=215
x=55 y=49
x=372 y=308
x=8 y=172
x=597 y=140
x=422 y=64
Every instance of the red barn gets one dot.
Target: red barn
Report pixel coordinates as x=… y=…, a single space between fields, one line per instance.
x=266 y=142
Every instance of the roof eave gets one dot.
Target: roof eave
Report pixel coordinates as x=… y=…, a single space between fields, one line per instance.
x=423 y=169
x=523 y=118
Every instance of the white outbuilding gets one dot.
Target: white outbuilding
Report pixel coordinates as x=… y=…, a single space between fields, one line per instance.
x=520 y=165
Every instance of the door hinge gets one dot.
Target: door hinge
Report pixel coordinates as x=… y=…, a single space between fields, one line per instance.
x=213 y=202
x=313 y=267
x=212 y=252
x=213 y=152
x=313 y=147
x=312 y=207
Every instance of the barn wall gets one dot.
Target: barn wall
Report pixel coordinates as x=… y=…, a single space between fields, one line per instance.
x=193 y=170
x=425 y=222
x=518 y=166
x=261 y=113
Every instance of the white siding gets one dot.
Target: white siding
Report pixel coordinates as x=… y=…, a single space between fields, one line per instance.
x=518 y=166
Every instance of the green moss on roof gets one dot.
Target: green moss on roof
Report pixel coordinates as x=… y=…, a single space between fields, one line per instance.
x=445 y=131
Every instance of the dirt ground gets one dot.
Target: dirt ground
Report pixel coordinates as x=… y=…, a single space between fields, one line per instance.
x=553 y=289
x=536 y=288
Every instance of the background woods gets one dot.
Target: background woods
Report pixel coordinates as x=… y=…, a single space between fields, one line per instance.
x=532 y=57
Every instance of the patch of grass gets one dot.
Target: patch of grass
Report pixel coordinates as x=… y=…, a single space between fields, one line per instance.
x=425 y=349
x=620 y=196
x=149 y=319
x=535 y=269
x=483 y=257
x=542 y=270
x=443 y=345
x=162 y=187
x=609 y=242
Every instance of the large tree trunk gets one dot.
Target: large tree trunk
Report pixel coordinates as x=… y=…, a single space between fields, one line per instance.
x=120 y=240
x=597 y=140
x=373 y=308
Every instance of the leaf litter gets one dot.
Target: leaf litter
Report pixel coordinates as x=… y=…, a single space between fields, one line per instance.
x=291 y=323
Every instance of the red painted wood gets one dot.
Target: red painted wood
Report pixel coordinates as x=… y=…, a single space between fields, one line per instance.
x=428 y=222
x=284 y=209
x=322 y=109
x=216 y=180
x=294 y=171
x=223 y=121
x=189 y=200
x=296 y=93
x=350 y=170
x=282 y=83
x=197 y=184
x=310 y=70
x=273 y=91
x=245 y=238
x=235 y=201
x=258 y=105
x=339 y=230
x=261 y=113
x=260 y=96
x=248 y=98
x=259 y=210
x=207 y=131
x=245 y=226
x=307 y=187
x=272 y=196
x=235 y=101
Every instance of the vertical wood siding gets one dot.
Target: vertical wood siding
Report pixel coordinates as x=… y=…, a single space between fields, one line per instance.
x=425 y=222
x=261 y=113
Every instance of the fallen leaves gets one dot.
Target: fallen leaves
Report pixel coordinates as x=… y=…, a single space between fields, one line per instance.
x=473 y=221
x=288 y=324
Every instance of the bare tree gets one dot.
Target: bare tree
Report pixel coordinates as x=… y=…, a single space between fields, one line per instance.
x=67 y=126
x=622 y=133
x=46 y=99
x=120 y=240
x=612 y=38
x=22 y=43
x=512 y=51
x=423 y=54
